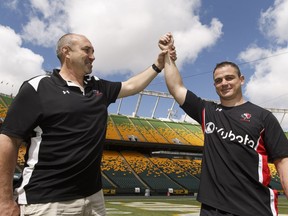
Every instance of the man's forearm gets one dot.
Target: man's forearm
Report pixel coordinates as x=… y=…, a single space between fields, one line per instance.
x=174 y=81
x=8 y=159
x=282 y=168
x=137 y=83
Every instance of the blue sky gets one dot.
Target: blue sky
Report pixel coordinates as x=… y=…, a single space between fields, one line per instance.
x=125 y=33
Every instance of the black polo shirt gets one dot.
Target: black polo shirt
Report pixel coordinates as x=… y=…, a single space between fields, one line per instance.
x=238 y=144
x=65 y=128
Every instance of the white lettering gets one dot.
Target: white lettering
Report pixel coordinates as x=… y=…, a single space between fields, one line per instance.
x=230 y=135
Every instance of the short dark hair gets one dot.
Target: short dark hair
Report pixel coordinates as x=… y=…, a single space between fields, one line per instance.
x=225 y=63
x=65 y=40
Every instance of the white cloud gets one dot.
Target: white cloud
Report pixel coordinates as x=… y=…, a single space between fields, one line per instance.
x=124 y=33
x=11 y=4
x=195 y=39
x=16 y=62
x=42 y=33
x=274 y=21
x=268 y=85
x=47 y=22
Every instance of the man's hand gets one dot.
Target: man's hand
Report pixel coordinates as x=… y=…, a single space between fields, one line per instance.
x=166 y=42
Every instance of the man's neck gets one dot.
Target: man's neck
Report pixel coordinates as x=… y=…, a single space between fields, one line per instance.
x=72 y=76
x=232 y=103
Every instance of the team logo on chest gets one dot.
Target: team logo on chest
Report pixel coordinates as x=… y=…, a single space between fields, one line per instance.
x=97 y=92
x=246 y=117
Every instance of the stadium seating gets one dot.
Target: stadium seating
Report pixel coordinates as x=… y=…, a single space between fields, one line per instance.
x=5 y=102
x=107 y=183
x=21 y=154
x=275 y=179
x=3 y=111
x=112 y=132
x=193 y=166
x=149 y=173
x=141 y=128
x=126 y=128
x=177 y=173
x=153 y=131
x=169 y=134
x=148 y=131
x=119 y=173
x=190 y=133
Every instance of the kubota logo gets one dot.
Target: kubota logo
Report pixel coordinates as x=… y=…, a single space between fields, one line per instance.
x=229 y=135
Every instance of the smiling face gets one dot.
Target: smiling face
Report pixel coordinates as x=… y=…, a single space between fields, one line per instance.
x=228 y=84
x=80 y=55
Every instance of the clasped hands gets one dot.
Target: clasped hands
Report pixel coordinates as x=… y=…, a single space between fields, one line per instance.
x=166 y=42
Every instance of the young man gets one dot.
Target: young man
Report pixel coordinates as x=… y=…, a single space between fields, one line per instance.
x=63 y=119
x=239 y=140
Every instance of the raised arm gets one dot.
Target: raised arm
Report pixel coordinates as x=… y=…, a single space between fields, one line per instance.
x=8 y=158
x=140 y=81
x=172 y=76
x=282 y=169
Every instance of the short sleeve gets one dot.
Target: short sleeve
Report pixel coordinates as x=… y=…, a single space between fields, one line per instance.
x=23 y=114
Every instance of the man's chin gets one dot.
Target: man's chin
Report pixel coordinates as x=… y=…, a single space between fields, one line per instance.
x=88 y=72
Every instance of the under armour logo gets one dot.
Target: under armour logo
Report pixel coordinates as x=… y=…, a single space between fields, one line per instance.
x=66 y=92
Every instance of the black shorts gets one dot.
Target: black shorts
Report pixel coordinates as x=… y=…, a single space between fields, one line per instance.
x=207 y=210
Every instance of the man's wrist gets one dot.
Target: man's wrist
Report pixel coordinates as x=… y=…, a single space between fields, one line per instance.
x=156 y=69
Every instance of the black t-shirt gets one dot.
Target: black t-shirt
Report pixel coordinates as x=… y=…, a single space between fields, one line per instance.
x=65 y=128
x=238 y=144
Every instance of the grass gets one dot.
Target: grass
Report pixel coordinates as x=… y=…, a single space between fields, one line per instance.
x=164 y=206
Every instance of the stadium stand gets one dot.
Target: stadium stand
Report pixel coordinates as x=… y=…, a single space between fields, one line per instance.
x=275 y=179
x=118 y=173
x=126 y=128
x=177 y=173
x=21 y=154
x=157 y=180
x=112 y=132
x=169 y=134
x=192 y=136
x=150 y=134
x=193 y=166
x=5 y=102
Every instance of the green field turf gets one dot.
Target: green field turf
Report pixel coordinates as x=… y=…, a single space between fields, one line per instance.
x=164 y=206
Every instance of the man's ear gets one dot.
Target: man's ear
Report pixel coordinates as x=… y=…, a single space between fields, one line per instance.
x=65 y=50
x=242 y=79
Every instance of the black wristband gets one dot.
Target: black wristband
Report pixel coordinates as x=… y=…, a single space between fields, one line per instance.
x=156 y=68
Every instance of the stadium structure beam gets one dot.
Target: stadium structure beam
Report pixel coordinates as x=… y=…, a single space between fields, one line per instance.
x=119 y=106
x=275 y=110
x=282 y=118
x=157 y=94
x=137 y=105
x=155 y=107
x=170 y=111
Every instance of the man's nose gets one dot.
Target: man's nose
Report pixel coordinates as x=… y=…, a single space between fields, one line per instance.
x=92 y=57
x=224 y=81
